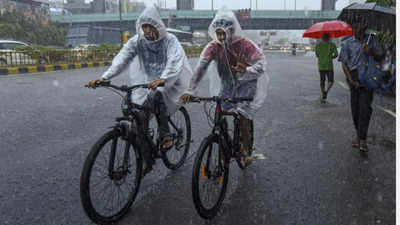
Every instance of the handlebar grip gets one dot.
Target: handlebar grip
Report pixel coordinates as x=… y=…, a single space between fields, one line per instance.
x=106 y=82
x=243 y=99
x=195 y=99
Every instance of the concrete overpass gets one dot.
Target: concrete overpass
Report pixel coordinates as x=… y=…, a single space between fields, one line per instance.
x=200 y=19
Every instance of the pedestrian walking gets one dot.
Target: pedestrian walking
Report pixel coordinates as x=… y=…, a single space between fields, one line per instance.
x=325 y=51
x=356 y=51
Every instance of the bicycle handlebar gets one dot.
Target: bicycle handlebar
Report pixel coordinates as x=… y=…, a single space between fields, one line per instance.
x=123 y=88
x=216 y=99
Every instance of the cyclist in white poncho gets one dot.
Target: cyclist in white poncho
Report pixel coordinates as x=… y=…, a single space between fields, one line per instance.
x=155 y=57
x=236 y=67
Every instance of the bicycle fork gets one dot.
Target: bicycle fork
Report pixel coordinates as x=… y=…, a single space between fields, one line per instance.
x=125 y=129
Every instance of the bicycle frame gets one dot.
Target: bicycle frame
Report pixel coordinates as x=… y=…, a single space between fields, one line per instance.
x=129 y=125
x=230 y=146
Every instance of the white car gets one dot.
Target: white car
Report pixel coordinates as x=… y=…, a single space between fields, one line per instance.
x=9 y=55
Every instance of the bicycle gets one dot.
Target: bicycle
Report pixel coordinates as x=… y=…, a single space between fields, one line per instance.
x=117 y=158
x=211 y=168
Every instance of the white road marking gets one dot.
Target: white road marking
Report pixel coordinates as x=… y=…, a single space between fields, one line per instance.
x=259 y=156
x=387 y=111
x=377 y=106
x=343 y=85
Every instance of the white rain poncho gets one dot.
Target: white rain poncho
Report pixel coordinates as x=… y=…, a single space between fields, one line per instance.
x=217 y=59
x=163 y=58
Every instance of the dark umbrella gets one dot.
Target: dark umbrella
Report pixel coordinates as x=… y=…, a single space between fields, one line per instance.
x=373 y=15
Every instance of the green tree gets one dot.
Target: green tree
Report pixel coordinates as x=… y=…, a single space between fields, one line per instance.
x=282 y=41
x=15 y=25
x=389 y=3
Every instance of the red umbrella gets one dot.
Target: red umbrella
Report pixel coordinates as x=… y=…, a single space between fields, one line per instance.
x=334 y=28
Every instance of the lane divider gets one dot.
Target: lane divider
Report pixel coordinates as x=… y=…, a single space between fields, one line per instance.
x=343 y=85
x=386 y=111
x=48 y=68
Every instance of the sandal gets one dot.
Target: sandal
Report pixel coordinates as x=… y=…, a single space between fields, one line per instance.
x=245 y=159
x=355 y=143
x=363 y=146
x=167 y=143
x=146 y=170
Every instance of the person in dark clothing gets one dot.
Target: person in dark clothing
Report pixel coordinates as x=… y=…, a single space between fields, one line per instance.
x=354 y=52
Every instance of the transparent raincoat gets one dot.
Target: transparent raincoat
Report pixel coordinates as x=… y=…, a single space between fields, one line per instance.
x=163 y=58
x=217 y=59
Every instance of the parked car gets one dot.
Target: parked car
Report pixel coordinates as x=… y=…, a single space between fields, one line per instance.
x=9 y=56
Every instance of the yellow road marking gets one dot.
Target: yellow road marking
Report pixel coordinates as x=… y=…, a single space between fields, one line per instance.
x=49 y=67
x=32 y=69
x=13 y=70
x=64 y=66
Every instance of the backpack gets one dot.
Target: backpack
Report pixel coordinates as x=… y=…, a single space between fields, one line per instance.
x=370 y=74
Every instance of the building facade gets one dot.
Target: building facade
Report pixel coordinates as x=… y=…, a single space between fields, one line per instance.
x=34 y=9
x=356 y=1
x=184 y=4
x=328 y=5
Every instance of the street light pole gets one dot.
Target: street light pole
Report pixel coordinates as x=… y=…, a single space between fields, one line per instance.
x=295 y=5
x=212 y=5
x=120 y=21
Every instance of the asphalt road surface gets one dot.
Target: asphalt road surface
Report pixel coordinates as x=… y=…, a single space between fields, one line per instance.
x=306 y=172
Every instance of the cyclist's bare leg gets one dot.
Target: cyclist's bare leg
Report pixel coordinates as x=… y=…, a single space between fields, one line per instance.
x=157 y=105
x=147 y=154
x=245 y=139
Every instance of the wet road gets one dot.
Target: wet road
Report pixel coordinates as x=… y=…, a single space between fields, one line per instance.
x=306 y=172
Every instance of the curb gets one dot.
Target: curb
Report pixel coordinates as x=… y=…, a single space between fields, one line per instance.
x=48 y=68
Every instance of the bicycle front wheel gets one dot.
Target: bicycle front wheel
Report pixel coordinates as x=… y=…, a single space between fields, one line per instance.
x=179 y=125
x=210 y=177
x=109 y=187
x=250 y=152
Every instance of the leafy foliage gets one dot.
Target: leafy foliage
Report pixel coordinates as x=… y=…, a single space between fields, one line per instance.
x=16 y=26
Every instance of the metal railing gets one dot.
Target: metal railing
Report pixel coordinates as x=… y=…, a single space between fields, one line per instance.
x=64 y=56
x=67 y=56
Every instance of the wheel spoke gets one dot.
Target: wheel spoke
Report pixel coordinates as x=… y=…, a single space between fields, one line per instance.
x=177 y=123
x=111 y=195
x=210 y=187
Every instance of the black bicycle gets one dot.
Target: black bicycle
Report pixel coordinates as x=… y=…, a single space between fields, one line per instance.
x=211 y=166
x=112 y=171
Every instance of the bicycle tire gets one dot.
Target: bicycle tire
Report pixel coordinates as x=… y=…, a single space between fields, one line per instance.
x=207 y=213
x=86 y=199
x=164 y=155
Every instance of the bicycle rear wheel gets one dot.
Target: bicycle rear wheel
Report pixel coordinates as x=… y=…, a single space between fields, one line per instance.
x=180 y=129
x=209 y=178
x=107 y=193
